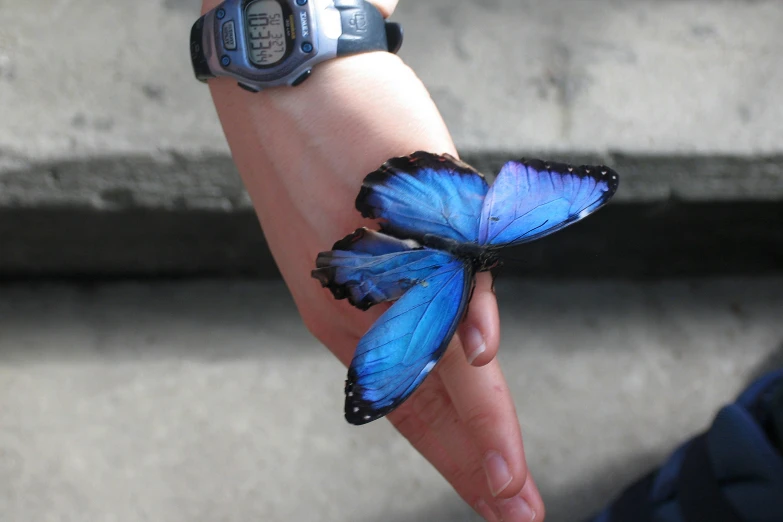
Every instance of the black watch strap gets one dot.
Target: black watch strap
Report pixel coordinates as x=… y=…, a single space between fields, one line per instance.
x=197 y=56
x=364 y=29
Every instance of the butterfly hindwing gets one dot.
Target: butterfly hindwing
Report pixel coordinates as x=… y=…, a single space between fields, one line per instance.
x=531 y=199
x=405 y=343
x=369 y=267
x=425 y=193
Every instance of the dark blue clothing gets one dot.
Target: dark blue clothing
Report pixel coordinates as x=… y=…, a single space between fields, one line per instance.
x=733 y=472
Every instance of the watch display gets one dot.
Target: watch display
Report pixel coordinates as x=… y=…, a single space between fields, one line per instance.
x=267 y=34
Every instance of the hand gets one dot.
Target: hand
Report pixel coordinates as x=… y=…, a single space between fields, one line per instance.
x=302 y=153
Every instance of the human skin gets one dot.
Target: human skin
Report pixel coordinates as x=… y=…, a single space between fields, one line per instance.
x=302 y=154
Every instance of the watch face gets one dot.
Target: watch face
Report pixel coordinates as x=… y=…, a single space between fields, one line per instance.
x=268 y=26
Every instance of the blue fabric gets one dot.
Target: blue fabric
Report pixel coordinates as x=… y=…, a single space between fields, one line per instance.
x=741 y=462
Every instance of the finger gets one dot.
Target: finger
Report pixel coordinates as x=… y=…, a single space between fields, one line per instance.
x=431 y=423
x=533 y=497
x=487 y=512
x=483 y=401
x=525 y=507
x=386 y=7
x=426 y=441
x=480 y=331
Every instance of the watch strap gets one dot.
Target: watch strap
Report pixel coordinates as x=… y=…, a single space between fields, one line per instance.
x=197 y=55
x=364 y=29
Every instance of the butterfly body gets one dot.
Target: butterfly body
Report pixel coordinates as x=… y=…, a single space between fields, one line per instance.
x=441 y=223
x=481 y=258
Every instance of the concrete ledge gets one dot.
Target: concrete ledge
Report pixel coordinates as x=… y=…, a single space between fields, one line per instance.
x=175 y=216
x=170 y=181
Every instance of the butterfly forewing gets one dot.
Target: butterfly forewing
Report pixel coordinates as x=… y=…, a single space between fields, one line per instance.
x=531 y=199
x=423 y=194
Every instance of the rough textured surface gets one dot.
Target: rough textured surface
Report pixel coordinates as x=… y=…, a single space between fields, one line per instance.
x=643 y=76
x=174 y=182
x=210 y=401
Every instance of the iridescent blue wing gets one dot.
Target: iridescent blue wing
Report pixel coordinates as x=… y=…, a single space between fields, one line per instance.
x=422 y=194
x=369 y=267
x=405 y=343
x=531 y=199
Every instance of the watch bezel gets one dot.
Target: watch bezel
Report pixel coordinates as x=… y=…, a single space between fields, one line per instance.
x=241 y=67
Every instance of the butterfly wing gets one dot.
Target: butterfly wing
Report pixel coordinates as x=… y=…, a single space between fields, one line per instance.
x=405 y=343
x=531 y=199
x=369 y=267
x=425 y=193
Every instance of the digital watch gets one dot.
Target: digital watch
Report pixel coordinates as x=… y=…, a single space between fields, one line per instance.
x=267 y=43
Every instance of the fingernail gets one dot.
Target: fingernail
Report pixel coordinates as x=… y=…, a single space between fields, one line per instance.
x=516 y=510
x=497 y=472
x=485 y=511
x=474 y=343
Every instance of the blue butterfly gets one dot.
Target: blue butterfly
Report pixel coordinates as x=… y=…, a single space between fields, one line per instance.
x=441 y=223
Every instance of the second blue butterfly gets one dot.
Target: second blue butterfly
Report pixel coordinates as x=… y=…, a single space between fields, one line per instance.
x=441 y=223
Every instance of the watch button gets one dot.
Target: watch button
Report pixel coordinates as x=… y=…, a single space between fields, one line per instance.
x=229 y=36
x=302 y=77
x=249 y=88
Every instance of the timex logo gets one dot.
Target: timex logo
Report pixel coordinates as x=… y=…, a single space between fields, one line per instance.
x=305 y=24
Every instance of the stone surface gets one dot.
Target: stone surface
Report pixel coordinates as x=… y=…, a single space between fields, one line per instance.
x=210 y=401
x=643 y=76
x=640 y=76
